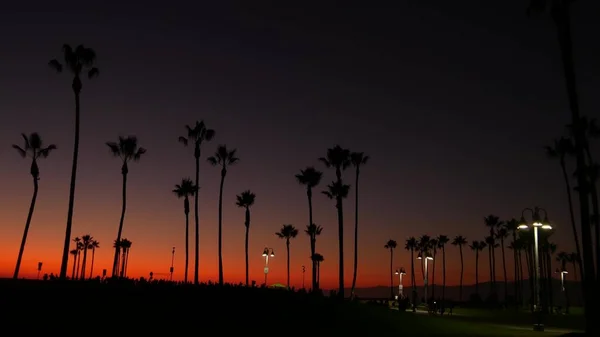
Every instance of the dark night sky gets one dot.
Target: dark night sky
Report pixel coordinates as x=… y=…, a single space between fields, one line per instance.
x=453 y=100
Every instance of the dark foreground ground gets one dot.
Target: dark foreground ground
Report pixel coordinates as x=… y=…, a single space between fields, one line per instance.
x=92 y=309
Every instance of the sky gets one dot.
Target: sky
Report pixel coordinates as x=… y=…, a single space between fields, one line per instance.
x=453 y=102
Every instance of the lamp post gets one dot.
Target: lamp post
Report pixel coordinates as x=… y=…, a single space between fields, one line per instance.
x=536 y=223
x=400 y=272
x=172 y=262
x=426 y=258
x=267 y=252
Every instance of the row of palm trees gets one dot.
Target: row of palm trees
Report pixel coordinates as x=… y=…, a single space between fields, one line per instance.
x=82 y=245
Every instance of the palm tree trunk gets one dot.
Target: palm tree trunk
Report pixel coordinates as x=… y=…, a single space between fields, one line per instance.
x=443 y=274
x=187 y=242
x=123 y=259
x=340 y=212
x=413 y=280
x=562 y=19
x=92 y=265
x=65 y=256
x=74 y=266
x=477 y=272
x=84 y=263
x=118 y=262
x=223 y=173
x=78 y=264
x=391 y=273
x=490 y=253
x=433 y=274
x=515 y=272
x=126 y=262
x=287 y=246
x=313 y=247
x=355 y=233
x=462 y=268
x=504 y=270
x=27 y=224
x=563 y=166
x=123 y=209
x=196 y=218
x=246 y=244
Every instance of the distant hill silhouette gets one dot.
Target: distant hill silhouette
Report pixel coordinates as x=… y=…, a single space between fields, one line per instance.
x=452 y=292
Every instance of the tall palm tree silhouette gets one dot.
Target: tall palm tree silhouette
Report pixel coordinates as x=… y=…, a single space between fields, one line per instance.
x=94 y=245
x=127 y=150
x=310 y=177
x=246 y=200
x=477 y=246
x=559 y=10
x=442 y=241
x=338 y=158
x=287 y=232
x=492 y=222
x=559 y=150
x=79 y=61
x=197 y=135
x=86 y=240
x=412 y=245
x=433 y=245
x=224 y=158
x=391 y=245
x=34 y=148
x=318 y=258
x=184 y=190
x=511 y=227
x=313 y=230
x=460 y=241
x=357 y=159
x=501 y=234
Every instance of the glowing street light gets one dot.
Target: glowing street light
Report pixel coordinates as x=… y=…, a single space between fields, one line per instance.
x=267 y=252
x=536 y=223
x=425 y=258
x=562 y=278
x=400 y=272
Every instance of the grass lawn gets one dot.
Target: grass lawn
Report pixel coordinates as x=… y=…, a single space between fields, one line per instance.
x=573 y=321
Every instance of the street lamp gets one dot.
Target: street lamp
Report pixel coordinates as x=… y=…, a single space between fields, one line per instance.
x=267 y=252
x=400 y=272
x=425 y=259
x=536 y=223
x=562 y=278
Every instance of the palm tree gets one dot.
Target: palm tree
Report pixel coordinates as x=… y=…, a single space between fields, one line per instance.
x=560 y=14
x=126 y=246
x=574 y=259
x=559 y=150
x=310 y=178
x=313 y=230
x=79 y=246
x=433 y=245
x=127 y=150
x=78 y=61
x=391 y=245
x=224 y=158
x=287 y=232
x=246 y=200
x=460 y=241
x=95 y=244
x=117 y=246
x=424 y=246
x=442 y=241
x=318 y=258
x=477 y=246
x=492 y=222
x=86 y=240
x=184 y=190
x=34 y=148
x=511 y=227
x=491 y=244
x=338 y=159
x=74 y=252
x=411 y=245
x=197 y=135
x=357 y=159
x=502 y=234
x=563 y=258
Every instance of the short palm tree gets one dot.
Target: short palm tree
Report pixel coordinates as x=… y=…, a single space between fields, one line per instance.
x=391 y=245
x=442 y=241
x=80 y=62
x=34 y=148
x=74 y=253
x=246 y=200
x=86 y=240
x=197 y=135
x=127 y=150
x=310 y=177
x=313 y=230
x=184 y=190
x=287 y=232
x=477 y=247
x=357 y=159
x=126 y=247
x=412 y=245
x=224 y=158
x=94 y=245
x=460 y=241
x=338 y=159
x=318 y=258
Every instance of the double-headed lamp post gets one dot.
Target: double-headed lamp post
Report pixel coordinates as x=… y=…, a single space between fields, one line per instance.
x=426 y=259
x=267 y=252
x=400 y=272
x=536 y=222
